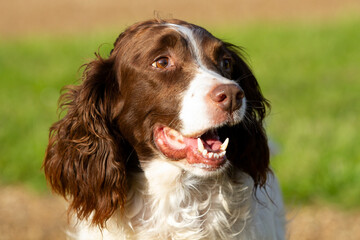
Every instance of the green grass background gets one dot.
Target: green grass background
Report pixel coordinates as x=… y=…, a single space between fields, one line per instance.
x=309 y=72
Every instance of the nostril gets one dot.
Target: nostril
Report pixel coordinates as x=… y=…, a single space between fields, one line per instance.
x=220 y=97
x=227 y=96
x=240 y=95
x=220 y=94
x=238 y=99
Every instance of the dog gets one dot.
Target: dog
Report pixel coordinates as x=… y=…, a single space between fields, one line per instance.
x=164 y=139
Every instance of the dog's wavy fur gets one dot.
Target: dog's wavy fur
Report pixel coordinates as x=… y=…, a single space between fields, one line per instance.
x=102 y=157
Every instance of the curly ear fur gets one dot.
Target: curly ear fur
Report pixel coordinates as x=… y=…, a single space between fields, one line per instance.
x=84 y=161
x=250 y=151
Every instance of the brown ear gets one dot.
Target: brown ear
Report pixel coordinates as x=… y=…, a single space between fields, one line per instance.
x=84 y=160
x=249 y=149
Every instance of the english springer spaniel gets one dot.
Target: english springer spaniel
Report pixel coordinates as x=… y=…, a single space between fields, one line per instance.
x=164 y=139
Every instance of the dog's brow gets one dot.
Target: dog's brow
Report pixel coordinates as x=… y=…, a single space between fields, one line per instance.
x=188 y=33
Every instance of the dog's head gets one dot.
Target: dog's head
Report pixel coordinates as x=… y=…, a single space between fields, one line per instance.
x=169 y=90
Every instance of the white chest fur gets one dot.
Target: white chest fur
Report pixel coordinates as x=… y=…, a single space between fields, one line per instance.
x=168 y=203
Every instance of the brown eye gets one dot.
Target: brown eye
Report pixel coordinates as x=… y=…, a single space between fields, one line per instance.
x=162 y=63
x=226 y=64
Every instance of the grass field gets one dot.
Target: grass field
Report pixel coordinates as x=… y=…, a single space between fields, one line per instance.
x=309 y=72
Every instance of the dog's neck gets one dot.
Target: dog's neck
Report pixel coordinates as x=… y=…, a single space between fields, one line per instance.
x=166 y=202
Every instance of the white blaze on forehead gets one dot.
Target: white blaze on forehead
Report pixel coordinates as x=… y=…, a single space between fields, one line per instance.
x=188 y=33
x=196 y=48
x=195 y=113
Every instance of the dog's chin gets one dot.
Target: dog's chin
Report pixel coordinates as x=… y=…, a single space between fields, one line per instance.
x=201 y=170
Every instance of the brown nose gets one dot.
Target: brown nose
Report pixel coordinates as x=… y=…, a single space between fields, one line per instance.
x=227 y=96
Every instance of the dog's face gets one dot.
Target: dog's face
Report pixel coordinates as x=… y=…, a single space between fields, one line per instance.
x=179 y=87
x=169 y=91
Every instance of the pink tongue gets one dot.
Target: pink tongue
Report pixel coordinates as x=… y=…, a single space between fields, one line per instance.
x=211 y=142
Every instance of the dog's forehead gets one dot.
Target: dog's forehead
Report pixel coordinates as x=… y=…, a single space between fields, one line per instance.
x=193 y=36
x=197 y=38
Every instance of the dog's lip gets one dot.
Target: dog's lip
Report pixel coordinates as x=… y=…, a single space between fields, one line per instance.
x=201 y=150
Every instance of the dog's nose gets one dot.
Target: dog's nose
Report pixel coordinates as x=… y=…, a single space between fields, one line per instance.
x=227 y=96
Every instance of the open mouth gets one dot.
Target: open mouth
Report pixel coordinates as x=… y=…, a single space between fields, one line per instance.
x=205 y=151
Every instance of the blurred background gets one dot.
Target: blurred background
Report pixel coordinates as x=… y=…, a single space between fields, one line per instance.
x=305 y=55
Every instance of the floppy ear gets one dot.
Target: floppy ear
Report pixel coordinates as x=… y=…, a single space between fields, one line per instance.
x=85 y=158
x=249 y=149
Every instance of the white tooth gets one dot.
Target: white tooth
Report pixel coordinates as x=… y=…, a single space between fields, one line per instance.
x=210 y=154
x=204 y=153
x=200 y=145
x=225 y=144
x=216 y=155
x=222 y=154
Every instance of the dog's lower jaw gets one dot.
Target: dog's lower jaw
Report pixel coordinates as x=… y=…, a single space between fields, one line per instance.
x=203 y=171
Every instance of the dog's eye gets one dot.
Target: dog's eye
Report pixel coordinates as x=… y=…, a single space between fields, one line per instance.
x=226 y=64
x=162 y=62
